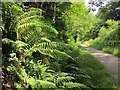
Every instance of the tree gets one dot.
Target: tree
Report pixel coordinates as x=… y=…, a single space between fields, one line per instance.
x=78 y=22
x=111 y=11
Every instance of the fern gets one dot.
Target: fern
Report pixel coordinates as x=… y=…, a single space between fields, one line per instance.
x=64 y=80
x=32 y=81
x=45 y=40
x=7 y=41
x=30 y=12
x=30 y=18
x=54 y=53
x=73 y=85
x=45 y=84
x=41 y=71
x=57 y=45
x=61 y=80
x=48 y=78
x=40 y=28
x=17 y=45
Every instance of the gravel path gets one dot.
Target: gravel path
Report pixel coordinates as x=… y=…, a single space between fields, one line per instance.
x=110 y=62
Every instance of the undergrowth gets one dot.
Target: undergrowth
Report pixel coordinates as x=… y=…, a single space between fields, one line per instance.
x=35 y=58
x=108 y=39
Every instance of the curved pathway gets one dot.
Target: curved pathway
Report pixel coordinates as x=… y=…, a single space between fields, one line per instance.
x=110 y=62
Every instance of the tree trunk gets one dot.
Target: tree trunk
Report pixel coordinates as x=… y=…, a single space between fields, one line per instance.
x=41 y=6
x=54 y=12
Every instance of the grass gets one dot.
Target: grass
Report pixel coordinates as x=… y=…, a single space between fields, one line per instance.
x=99 y=76
x=97 y=44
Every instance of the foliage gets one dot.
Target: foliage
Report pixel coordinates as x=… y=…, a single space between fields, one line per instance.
x=108 y=39
x=107 y=31
x=110 y=11
x=34 y=53
x=95 y=70
x=31 y=27
x=76 y=21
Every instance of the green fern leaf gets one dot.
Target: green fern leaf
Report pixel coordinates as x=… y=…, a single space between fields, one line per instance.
x=73 y=85
x=45 y=84
x=7 y=41
x=56 y=54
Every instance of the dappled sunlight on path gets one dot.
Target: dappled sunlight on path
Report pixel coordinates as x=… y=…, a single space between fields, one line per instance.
x=110 y=62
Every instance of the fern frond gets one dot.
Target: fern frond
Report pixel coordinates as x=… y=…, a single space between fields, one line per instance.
x=7 y=41
x=45 y=84
x=31 y=12
x=54 y=53
x=19 y=43
x=26 y=25
x=61 y=74
x=60 y=80
x=29 y=19
x=49 y=28
x=45 y=40
x=34 y=83
x=56 y=45
x=38 y=28
x=63 y=80
x=73 y=85
x=32 y=22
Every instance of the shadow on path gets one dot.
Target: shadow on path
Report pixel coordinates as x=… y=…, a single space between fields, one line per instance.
x=110 y=62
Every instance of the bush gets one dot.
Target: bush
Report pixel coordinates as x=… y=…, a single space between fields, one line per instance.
x=89 y=43
x=108 y=50
x=116 y=52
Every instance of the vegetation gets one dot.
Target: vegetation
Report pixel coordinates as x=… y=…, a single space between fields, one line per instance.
x=107 y=38
x=40 y=42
